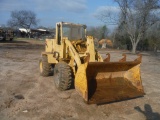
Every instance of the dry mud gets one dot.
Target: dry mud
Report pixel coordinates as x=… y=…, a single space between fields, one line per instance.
x=25 y=95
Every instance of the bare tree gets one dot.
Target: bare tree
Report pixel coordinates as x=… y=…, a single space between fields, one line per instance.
x=136 y=16
x=24 y=19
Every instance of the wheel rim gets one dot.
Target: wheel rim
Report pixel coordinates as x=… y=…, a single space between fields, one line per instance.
x=41 y=66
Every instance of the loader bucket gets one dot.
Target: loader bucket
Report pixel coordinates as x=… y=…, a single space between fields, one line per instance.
x=102 y=82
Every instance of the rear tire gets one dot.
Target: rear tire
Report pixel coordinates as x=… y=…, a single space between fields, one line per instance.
x=63 y=76
x=45 y=67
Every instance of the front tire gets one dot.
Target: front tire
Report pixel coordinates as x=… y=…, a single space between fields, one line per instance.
x=45 y=67
x=63 y=76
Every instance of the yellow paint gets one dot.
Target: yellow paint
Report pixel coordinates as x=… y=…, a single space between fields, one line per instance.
x=49 y=45
x=41 y=67
x=81 y=81
x=51 y=58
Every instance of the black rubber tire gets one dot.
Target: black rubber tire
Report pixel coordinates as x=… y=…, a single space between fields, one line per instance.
x=45 y=67
x=63 y=76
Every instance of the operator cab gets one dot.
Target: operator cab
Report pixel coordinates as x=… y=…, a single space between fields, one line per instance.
x=73 y=32
x=76 y=33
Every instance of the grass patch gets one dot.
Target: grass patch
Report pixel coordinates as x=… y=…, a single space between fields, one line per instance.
x=26 y=39
x=29 y=40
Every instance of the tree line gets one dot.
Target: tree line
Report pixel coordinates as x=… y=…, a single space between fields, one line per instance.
x=137 y=24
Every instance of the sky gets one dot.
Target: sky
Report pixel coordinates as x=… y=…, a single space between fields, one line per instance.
x=51 y=11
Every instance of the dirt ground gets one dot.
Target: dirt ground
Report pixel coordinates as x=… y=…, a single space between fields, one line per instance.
x=25 y=95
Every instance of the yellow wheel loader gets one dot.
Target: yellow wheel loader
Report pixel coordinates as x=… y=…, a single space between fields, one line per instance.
x=73 y=58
